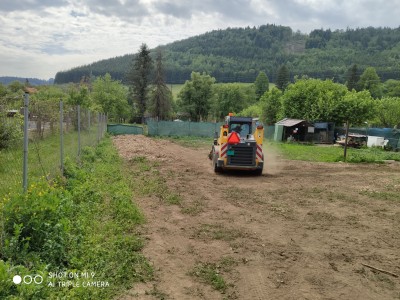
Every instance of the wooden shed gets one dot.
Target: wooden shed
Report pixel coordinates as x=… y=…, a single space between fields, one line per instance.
x=292 y=129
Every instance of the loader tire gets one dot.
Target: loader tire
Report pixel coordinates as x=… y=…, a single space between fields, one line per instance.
x=217 y=169
x=258 y=172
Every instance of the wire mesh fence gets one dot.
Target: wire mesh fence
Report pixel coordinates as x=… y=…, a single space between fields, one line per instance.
x=54 y=132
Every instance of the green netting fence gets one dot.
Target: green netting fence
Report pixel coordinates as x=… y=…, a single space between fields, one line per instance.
x=171 y=128
x=117 y=129
x=174 y=128
x=393 y=135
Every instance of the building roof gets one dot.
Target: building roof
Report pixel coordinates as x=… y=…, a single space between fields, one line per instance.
x=289 y=122
x=30 y=90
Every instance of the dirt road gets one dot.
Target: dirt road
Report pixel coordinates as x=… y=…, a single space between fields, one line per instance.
x=300 y=231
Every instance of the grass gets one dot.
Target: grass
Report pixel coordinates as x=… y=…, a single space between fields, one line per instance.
x=212 y=273
x=193 y=208
x=85 y=222
x=330 y=153
x=382 y=195
x=191 y=141
x=209 y=274
x=175 y=89
x=146 y=180
x=304 y=152
x=43 y=158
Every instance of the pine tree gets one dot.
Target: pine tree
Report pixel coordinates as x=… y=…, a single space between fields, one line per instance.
x=352 y=78
x=161 y=98
x=138 y=78
x=283 y=78
x=261 y=84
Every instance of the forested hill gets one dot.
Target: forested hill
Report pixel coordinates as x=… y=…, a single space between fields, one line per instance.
x=33 y=81
x=238 y=54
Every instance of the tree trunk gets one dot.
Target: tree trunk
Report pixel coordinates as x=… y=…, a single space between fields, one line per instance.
x=345 y=141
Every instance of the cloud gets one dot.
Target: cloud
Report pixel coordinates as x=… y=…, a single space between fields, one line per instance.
x=128 y=10
x=23 y=5
x=41 y=37
x=228 y=9
x=76 y=14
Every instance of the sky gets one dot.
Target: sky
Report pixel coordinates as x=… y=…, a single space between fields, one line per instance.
x=38 y=38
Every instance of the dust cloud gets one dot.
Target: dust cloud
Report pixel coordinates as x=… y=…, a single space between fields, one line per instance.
x=273 y=162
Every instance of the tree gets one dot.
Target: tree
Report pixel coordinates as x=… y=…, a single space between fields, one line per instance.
x=228 y=97
x=138 y=78
x=3 y=90
x=370 y=81
x=15 y=86
x=160 y=105
x=44 y=105
x=271 y=106
x=254 y=111
x=283 y=78
x=355 y=108
x=111 y=97
x=261 y=84
x=388 y=111
x=392 y=88
x=352 y=78
x=194 y=97
x=314 y=100
x=79 y=95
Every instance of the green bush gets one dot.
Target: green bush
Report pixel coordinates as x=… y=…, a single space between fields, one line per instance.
x=10 y=131
x=36 y=226
x=83 y=222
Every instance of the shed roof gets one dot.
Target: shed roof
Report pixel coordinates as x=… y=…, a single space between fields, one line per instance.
x=289 y=122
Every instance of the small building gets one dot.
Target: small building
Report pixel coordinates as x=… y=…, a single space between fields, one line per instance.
x=324 y=132
x=291 y=129
x=304 y=131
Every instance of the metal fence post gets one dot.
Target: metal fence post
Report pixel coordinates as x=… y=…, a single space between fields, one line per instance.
x=102 y=125
x=79 y=130
x=61 y=138
x=25 y=163
x=105 y=125
x=98 y=127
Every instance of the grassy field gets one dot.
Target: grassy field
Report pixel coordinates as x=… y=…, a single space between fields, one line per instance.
x=305 y=152
x=43 y=158
x=84 y=222
x=330 y=153
x=175 y=88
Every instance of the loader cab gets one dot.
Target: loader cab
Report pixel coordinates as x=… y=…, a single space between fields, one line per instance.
x=242 y=125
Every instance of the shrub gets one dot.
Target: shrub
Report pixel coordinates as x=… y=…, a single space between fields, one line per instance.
x=10 y=130
x=36 y=226
x=83 y=222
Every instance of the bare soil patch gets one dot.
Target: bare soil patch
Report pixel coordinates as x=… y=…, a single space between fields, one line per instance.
x=300 y=231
